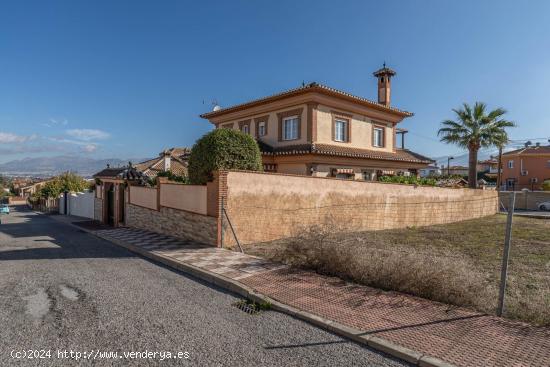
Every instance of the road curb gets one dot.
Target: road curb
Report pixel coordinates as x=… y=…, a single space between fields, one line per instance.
x=231 y=285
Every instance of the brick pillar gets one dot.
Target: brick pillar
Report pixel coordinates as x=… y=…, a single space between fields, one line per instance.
x=216 y=190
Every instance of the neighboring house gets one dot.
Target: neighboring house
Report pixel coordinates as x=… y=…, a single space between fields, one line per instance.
x=112 y=181
x=30 y=190
x=489 y=167
x=431 y=171
x=110 y=193
x=526 y=168
x=320 y=131
x=456 y=171
x=173 y=159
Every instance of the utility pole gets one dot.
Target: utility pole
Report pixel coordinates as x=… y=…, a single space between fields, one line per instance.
x=499 y=173
x=449 y=165
x=506 y=254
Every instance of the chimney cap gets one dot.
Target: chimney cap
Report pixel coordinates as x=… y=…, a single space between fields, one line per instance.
x=384 y=71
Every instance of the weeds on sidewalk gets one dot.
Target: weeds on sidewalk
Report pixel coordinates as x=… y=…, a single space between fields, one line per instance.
x=457 y=263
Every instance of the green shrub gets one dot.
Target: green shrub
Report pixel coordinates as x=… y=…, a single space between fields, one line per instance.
x=409 y=180
x=223 y=149
x=173 y=177
x=546 y=185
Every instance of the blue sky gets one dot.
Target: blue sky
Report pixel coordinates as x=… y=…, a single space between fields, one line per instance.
x=127 y=79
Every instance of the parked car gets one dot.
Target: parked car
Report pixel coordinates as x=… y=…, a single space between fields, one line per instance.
x=4 y=209
x=545 y=206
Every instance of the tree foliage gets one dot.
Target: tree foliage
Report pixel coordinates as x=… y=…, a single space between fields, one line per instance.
x=409 y=180
x=223 y=149
x=66 y=182
x=473 y=129
x=173 y=177
x=546 y=185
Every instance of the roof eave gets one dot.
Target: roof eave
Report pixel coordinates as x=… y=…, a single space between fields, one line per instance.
x=317 y=88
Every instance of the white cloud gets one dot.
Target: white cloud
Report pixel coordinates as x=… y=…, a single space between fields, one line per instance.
x=55 y=122
x=9 y=138
x=87 y=134
x=89 y=148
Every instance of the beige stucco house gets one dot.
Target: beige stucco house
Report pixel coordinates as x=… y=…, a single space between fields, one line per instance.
x=320 y=131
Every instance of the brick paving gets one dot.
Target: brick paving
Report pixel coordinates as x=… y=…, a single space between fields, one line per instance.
x=456 y=335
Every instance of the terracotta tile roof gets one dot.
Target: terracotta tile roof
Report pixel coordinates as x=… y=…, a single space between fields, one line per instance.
x=127 y=173
x=178 y=162
x=312 y=87
x=110 y=172
x=541 y=149
x=402 y=155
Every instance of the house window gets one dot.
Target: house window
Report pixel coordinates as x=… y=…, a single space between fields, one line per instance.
x=290 y=128
x=510 y=183
x=510 y=164
x=368 y=175
x=341 y=130
x=378 y=137
x=244 y=126
x=261 y=128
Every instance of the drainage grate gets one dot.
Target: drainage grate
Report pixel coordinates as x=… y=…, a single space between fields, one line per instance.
x=251 y=308
x=246 y=306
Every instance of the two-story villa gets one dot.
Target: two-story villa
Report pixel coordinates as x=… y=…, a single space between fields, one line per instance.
x=526 y=168
x=320 y=131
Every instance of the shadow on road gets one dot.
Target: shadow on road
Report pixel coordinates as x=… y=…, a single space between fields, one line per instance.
x=25 y=235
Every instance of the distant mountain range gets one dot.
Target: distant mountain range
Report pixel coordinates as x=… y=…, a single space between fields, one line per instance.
x=51 y=166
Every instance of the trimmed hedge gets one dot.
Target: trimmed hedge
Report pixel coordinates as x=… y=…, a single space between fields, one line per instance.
x=222 y=149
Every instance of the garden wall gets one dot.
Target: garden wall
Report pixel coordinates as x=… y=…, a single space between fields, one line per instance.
x=145 y=197
x=525 y=200
x=264 y=207
x=173 y=222
x=81 y=204
x=184 y=197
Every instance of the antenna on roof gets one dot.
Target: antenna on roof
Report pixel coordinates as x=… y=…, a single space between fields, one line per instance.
x=216 y=106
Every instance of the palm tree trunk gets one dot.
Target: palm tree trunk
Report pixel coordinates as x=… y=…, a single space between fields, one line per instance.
x=472 y=168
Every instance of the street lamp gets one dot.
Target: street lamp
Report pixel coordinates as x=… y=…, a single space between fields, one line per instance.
x=449 y=165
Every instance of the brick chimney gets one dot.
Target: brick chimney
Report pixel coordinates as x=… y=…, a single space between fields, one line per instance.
x=384 y=76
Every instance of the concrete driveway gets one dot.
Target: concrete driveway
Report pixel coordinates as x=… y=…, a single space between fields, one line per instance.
x=63 y=291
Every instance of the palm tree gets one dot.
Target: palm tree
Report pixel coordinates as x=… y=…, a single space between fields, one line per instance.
x=473 y=129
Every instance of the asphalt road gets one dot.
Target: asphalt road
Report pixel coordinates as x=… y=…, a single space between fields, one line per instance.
x=64 y=290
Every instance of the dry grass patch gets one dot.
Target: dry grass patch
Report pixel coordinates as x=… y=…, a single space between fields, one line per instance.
x=456 y=263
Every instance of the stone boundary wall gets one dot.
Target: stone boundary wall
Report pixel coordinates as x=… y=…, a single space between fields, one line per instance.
x=264 y=207
x=98 y=209
x=525 y=200
x=173 y=222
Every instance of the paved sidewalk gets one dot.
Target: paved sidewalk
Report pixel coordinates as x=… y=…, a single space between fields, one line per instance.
x=454 y=335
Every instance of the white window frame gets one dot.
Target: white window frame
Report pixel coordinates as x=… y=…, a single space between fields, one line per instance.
x=511 y=164
x=341 y=134
x=292 y=132
x=245 y=129
x=375 y=131
x=261 y=128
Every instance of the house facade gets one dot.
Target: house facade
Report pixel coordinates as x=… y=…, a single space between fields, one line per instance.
x=316 y=130
x=526 y=168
